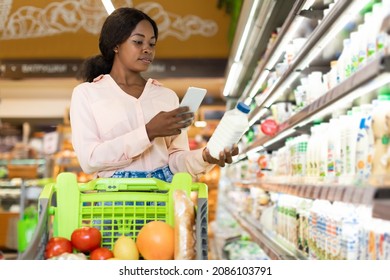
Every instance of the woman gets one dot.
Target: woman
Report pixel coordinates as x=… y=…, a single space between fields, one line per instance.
x=126 y=126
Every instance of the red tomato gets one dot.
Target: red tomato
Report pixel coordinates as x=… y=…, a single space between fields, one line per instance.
x=57 y=246
x=86 y=239
x=101 y=253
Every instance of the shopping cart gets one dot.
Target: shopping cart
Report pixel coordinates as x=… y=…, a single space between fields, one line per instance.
x=29 y=194
x=115 y=206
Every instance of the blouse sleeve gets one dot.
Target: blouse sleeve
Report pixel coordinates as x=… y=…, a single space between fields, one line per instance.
x=182 y=159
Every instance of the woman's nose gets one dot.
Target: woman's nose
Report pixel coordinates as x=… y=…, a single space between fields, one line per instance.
x=147 y=49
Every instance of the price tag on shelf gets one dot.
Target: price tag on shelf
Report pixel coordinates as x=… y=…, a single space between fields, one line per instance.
x=357 y=195
x=324 y=193
x=328 y=97
x=368 y=195
x=296 y=190
x=309 y=192
x=303 y=191
x=300 y=191
x=348 y=194
x=339 y=193
x=316 y=192
x=321 y=102
x=332 y=193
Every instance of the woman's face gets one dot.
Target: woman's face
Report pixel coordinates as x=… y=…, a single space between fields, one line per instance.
x=137 y=52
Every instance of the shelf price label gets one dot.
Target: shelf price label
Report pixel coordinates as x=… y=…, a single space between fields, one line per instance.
x=348 y=194
x=368 y=195
x=358 y=195
x=309 y=192
x=339 y=193
x=332 y=193
x=301 y=191
x=317 y=192
x=324 y=193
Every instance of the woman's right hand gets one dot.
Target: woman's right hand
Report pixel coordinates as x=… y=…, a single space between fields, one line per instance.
x=169 y=123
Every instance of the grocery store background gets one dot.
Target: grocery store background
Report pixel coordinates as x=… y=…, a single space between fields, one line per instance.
x=41 y=47
x=311 y=70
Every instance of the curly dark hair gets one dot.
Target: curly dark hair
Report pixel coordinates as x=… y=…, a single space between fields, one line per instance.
x=115 y=30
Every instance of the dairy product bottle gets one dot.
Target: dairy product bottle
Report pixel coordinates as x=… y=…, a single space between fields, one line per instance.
x=362 y=146
x=334 y=149
x=381 y=130
x=230 y=129
x=367 y=110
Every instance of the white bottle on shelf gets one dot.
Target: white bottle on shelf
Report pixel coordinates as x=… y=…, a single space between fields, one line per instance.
x=230 y=129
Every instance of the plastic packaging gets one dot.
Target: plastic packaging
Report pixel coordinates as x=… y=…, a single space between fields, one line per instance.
x=230 y=129
x=381 y=130
x=184 y=227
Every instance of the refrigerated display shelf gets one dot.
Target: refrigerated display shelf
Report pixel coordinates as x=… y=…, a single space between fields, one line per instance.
x=377 y=197
x=273 y=245
x=265 y=63
x=366 y=74
x=269 y=14
x=297 y=64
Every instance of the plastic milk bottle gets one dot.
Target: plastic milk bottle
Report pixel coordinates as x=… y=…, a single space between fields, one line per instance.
x=230 y=129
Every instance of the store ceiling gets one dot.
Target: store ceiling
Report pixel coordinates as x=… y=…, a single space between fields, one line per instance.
x=48 y=32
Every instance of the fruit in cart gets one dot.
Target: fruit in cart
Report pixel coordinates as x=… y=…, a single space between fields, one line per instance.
x=125 y=249
x=101 y=253
x=155 y=241
x=70 y=257
x=57 y=246
x=86 y=239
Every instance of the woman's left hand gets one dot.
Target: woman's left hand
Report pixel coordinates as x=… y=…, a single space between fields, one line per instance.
x=224 y=157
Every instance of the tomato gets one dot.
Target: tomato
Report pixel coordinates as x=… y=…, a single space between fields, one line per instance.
x=86 y=239
x=101 y=253
x=57 y=246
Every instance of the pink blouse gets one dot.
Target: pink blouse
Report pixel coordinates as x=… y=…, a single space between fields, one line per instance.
x=109 y=134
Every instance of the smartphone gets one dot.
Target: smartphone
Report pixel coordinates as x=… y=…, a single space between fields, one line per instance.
x=193 y=98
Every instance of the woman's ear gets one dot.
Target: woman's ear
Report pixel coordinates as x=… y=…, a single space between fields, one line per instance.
x=116 y=49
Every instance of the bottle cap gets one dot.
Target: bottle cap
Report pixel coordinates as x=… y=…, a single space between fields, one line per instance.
x=384 y=93
x=362 y=123
x=243 y=107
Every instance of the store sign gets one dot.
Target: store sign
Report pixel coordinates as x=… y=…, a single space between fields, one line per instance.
x=17 y=69
x=165 y=68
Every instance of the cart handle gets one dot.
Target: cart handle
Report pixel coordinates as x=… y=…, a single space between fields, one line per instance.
x=124 y=184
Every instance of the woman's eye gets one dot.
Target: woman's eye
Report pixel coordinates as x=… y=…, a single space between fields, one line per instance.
x=152 y=45
x=138 y=42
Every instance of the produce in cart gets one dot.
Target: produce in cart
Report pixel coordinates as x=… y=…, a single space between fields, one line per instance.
x=116 y=207
x=155 y=241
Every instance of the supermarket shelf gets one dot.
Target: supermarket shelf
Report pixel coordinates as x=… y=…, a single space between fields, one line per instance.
x=273 y=245
x=7 y=184
x=381 y=209
x=269 y=15
x=265 y=63
x=364 y=75
x=309 y=46
x=378 y=197
x=27 y=161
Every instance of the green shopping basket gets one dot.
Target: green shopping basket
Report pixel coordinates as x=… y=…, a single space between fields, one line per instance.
x=115 y=206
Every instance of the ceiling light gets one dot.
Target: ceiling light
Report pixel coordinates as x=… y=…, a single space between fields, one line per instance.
x=234 y=72
x=200 y=124
x=245 y=34
x=108 y=6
